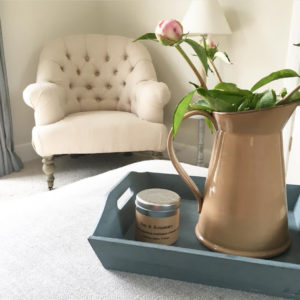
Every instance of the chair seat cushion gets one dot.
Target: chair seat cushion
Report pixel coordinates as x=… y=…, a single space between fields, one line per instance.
x=99 y=132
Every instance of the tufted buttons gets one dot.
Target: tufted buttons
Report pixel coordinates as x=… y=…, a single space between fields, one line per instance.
x=78 y=99
x=115 y=71
x=88 y=87
x=108 y=86
x=70 y=85
x=131 y=69
x=125 y=56
x=117 y=98
x=68 y=56
x=87 y=58
x=78 y=72
x=98 y=99
x=107 y=58
x=97 y=73
x=124 y=83
x=62 y=68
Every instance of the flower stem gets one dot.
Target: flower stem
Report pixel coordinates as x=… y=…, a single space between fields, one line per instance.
x=215 y=69
x=202 y=82
x=287 y=97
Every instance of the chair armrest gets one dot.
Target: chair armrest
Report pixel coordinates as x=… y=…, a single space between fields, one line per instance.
x=150 y=98
x=48 y=101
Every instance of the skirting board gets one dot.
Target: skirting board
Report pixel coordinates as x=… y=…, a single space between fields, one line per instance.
x=26 y=152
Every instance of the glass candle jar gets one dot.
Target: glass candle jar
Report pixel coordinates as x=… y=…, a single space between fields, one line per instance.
x=157 y=216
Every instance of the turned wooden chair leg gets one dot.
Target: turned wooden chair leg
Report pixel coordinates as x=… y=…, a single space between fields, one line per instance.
x=48 y=169
x=157 y=155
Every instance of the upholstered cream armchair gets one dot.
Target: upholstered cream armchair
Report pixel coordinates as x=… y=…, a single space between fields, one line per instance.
x=96 y=94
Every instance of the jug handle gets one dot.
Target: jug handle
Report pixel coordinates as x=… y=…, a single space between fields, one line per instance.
x=186 y=178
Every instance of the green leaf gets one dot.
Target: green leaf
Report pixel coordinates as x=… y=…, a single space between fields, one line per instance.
x=221 y=100
x=274 y=76
x=253 y=100
x=209 y=124
x=231 y=87
x=200 y=51
x=201 y=105
x=294 y=97
x=223 y=56
x=180 y=110
x=147 y=36
x=226 y=86
x=194 y=84
x=283 y=92
x=211 y=53
x=267 y=100
x=244 y=105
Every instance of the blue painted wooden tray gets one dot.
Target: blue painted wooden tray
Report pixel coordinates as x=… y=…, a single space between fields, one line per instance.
x=188 y=260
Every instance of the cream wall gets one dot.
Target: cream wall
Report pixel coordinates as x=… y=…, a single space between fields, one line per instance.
x=257 y=46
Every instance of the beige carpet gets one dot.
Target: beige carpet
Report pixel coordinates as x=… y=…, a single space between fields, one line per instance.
x=31 y=180
x=44 y=252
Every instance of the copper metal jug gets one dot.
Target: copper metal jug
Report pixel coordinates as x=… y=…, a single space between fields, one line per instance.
x=244 y=209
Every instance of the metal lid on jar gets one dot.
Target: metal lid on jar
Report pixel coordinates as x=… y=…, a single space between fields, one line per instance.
x=158 y=200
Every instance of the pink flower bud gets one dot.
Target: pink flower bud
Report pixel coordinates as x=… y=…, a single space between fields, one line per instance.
x=169 y=32
x=210 y=44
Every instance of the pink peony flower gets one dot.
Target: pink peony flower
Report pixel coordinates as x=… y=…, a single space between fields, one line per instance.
x=169 y=32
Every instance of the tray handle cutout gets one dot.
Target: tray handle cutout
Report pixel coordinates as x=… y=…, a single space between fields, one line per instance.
x=124 y=198
x=116 y=218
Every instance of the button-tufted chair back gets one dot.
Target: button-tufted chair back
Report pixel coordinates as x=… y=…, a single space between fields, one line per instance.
x=97 y=71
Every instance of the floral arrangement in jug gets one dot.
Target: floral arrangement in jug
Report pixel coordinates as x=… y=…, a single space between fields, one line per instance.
x=225 y=96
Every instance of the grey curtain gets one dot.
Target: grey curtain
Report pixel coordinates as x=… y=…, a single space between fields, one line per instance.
x=9 y=161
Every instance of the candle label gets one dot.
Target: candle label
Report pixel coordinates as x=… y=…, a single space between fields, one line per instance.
x=157 y=230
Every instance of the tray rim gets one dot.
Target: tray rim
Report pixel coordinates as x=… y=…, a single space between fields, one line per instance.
x=206 y=253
